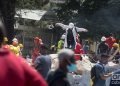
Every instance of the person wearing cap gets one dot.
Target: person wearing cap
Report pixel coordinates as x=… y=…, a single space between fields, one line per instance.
x=100 y=72
x=66 y=65
x=103 y=46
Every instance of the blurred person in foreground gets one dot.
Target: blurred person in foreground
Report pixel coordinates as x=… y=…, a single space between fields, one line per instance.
x=98 y=72
x=66 y=64
x=14 y=71
x=43 y=62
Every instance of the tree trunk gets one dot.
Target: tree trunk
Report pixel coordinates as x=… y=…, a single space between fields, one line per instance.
x=7 y=8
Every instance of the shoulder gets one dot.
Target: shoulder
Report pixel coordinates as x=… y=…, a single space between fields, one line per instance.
x=98 y=65
x=50 y=76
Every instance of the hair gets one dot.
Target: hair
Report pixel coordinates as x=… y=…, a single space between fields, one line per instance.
x=2 y=33
x=65 y=53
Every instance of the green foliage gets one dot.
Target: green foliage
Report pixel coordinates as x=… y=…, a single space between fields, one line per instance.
x=30 y=4
x=75 y=7
x=88 y=14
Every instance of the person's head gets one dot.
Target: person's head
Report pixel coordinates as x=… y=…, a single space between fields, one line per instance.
x=2 y=33
x=71 y=25
x=66 y=60
x=36 y=40
x=115 y=46
x=43 y=49
x=103 y=39
x=15 y=41
x=104 y=58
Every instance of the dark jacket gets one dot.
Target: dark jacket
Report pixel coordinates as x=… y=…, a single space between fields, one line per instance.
x=57 y=78
x=103 y=48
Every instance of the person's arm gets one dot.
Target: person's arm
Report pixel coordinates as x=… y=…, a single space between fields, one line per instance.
x=104 y=77
x=81 y=29
x=64 y=27
x=100 y=73
x=113 y=55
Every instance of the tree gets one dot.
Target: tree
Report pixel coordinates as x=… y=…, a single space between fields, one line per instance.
x=95 y=15
x=7 y=8
x=31 y=4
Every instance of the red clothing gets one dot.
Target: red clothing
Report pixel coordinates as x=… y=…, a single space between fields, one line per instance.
x=110 y=41
x=15 y=72
x=35 y=54
x=78 y=50
x=6 y=46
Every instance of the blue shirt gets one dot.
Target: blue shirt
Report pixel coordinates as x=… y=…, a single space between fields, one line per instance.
x=100 y=70
x=43 y=65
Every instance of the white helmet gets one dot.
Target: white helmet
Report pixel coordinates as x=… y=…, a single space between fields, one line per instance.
x=103 y=38
x=15 y=40
x=71 y=25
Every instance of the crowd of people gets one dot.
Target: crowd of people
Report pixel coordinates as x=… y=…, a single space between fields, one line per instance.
x=15 y=71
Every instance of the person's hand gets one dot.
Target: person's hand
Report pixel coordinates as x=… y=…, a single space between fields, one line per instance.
x=110 y=74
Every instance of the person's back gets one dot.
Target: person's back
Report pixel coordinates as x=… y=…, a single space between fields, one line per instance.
x=15 y=72
x=43 y=65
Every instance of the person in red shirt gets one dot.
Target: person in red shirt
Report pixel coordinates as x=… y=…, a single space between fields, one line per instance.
x=110 y=41
x=78 y=50
x=36 y=48
x=15 y=71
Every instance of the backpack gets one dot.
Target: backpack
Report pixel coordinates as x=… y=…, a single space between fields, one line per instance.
x=93 y=73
